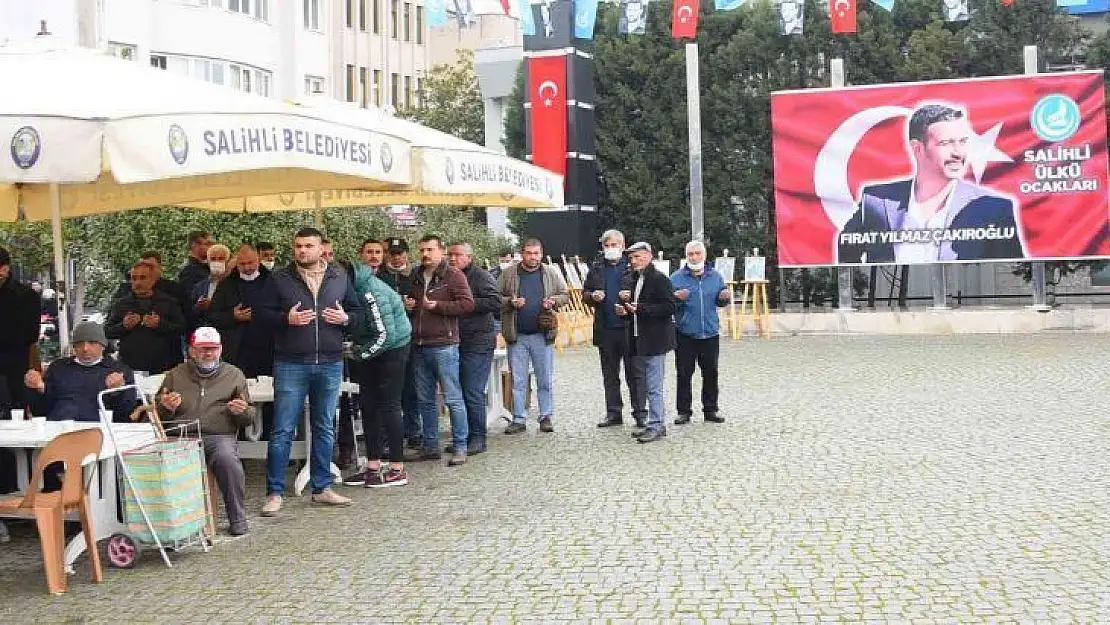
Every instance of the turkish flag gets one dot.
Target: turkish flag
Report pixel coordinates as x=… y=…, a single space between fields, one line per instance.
x=684 y=19
x=1024 y=159
x=842 y=14
x=506 y=8
x=547 y=89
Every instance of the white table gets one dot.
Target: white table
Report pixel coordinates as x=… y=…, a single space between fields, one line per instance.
x=23 y=435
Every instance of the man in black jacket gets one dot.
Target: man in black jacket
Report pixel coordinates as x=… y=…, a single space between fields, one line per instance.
x=313 y=303
x=196 y=268
x=647 y=300
x=602 y=287
x=148 y=324
x=477 y=339
x=153 y=260
x=19 y=318
x=239 y=312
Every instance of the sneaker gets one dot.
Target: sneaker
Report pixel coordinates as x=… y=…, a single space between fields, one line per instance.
x=545 y=425
x=385 y=479
x=272 y=505
x=358 y=479
x=329 y=497
x=610 y=421
x=516 y=428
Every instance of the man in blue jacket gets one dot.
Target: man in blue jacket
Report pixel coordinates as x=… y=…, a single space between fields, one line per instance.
x=314 y=302
x=700 y=291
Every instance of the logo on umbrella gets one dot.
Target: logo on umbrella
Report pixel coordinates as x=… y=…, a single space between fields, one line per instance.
x=550 y=188
x=449 y=170
x=26 y=147
x=179 y=144
x=387 y=158
x=287 y=199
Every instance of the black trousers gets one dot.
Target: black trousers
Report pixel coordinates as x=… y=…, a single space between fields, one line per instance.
x=703 y=353
x=612 y=347
x=380 y=382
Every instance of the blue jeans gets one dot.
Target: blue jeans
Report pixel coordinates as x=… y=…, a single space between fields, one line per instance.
x=474 y=370
x=534 y=349
x=292 y=382
x=439 y=364
x=647 y=371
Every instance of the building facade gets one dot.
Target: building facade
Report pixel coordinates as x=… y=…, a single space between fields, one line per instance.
x=370 y=52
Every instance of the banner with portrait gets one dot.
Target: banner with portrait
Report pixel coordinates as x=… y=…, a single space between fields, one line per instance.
x=970 y=170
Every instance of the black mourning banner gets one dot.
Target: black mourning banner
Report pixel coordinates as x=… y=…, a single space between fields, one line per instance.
x=554 y=26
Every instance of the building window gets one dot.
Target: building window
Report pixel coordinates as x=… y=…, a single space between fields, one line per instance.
x=124 y=51
x=408 y=22
x=313 y=84
x=378 y=88
x=364 y=86
x=408 y=92
x=394 y=89
x=362 y=8
x=158 y=61
x=376 y=16
x=258 y=9
x=350 y=83
x=312 y=14
x=418 y=97
x=419 y=24
x=350 y=11
x=263 y=82
x=393 y=23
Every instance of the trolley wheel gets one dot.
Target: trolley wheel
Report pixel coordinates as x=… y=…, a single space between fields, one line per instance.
x=123 y=551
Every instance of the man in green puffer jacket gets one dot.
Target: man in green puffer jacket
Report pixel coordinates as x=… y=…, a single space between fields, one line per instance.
x=380 y=350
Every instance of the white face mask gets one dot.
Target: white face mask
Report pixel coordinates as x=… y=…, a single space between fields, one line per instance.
x=612 y=253
x=696 y=267
x=268 y=264
x=217 y=267
x=249 y=277
x=506 y=265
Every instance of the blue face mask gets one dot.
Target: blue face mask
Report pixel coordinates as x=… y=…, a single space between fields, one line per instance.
x=209 y=368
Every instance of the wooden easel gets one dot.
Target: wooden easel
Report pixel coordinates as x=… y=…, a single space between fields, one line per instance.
x=755 y=291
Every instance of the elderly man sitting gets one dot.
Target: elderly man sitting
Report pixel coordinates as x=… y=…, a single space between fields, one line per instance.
x=215 y=393
x=70 y=387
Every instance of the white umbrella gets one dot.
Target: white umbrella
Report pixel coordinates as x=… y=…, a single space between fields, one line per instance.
x=91 y=134
x=446 y=170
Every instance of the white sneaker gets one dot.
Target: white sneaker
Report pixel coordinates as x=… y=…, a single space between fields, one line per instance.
x=272 y=505
x=329 y=497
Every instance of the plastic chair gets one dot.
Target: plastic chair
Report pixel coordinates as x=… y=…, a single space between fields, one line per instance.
x=72 y=449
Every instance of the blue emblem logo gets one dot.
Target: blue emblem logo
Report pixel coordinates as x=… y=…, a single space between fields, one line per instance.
x=26 y=147
x=179 y=144
x=387 y=158
x=1055 y=118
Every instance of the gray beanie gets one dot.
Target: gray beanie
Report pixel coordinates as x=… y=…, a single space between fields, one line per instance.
x=88 y=331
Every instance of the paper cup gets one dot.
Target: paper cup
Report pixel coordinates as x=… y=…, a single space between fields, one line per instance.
x=17 y=414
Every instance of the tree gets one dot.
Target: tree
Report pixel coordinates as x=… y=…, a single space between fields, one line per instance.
x=450 y=101
x=641 y=103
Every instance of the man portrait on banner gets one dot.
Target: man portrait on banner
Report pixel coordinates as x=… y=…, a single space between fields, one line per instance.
x=554 y=25
x=936 y=198
x=633 y=19
x=956 y=11
x=791 y=15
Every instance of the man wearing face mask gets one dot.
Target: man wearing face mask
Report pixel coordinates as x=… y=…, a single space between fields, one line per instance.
x=602 y=287
x=700 y=291
x=219 y=257
x=215 y=393
x=647 y=301
x=239 y=312
x=69 y=389
x=267 y=256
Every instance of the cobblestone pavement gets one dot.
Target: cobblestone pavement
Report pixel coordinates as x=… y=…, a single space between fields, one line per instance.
x=924 y=479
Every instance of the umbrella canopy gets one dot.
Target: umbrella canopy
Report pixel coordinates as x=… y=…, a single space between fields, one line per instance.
x=446 y=170
x=116 y=135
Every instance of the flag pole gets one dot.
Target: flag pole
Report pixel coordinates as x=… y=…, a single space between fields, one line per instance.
x=843 y=274
x=1030 y=57
x=693 y=117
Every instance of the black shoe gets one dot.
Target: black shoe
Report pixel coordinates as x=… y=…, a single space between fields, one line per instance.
x=712 y=417
x=238 y=528
x=682 y=419
x=650 y=436
x=641 y=422
x=385 y=479
x=516 y=428
x=414 y=442
x=545 y=425
x=475 y=448
x=430 y=454
x=358 y=479
x=610 y=422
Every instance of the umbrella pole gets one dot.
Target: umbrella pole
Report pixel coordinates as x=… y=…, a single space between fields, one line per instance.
x=318 y=211
x=59 y=268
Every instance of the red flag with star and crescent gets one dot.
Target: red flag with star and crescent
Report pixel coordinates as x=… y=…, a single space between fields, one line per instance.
x=999 y=169
x=842 y=16
x=547 y=89
x=684 y=19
